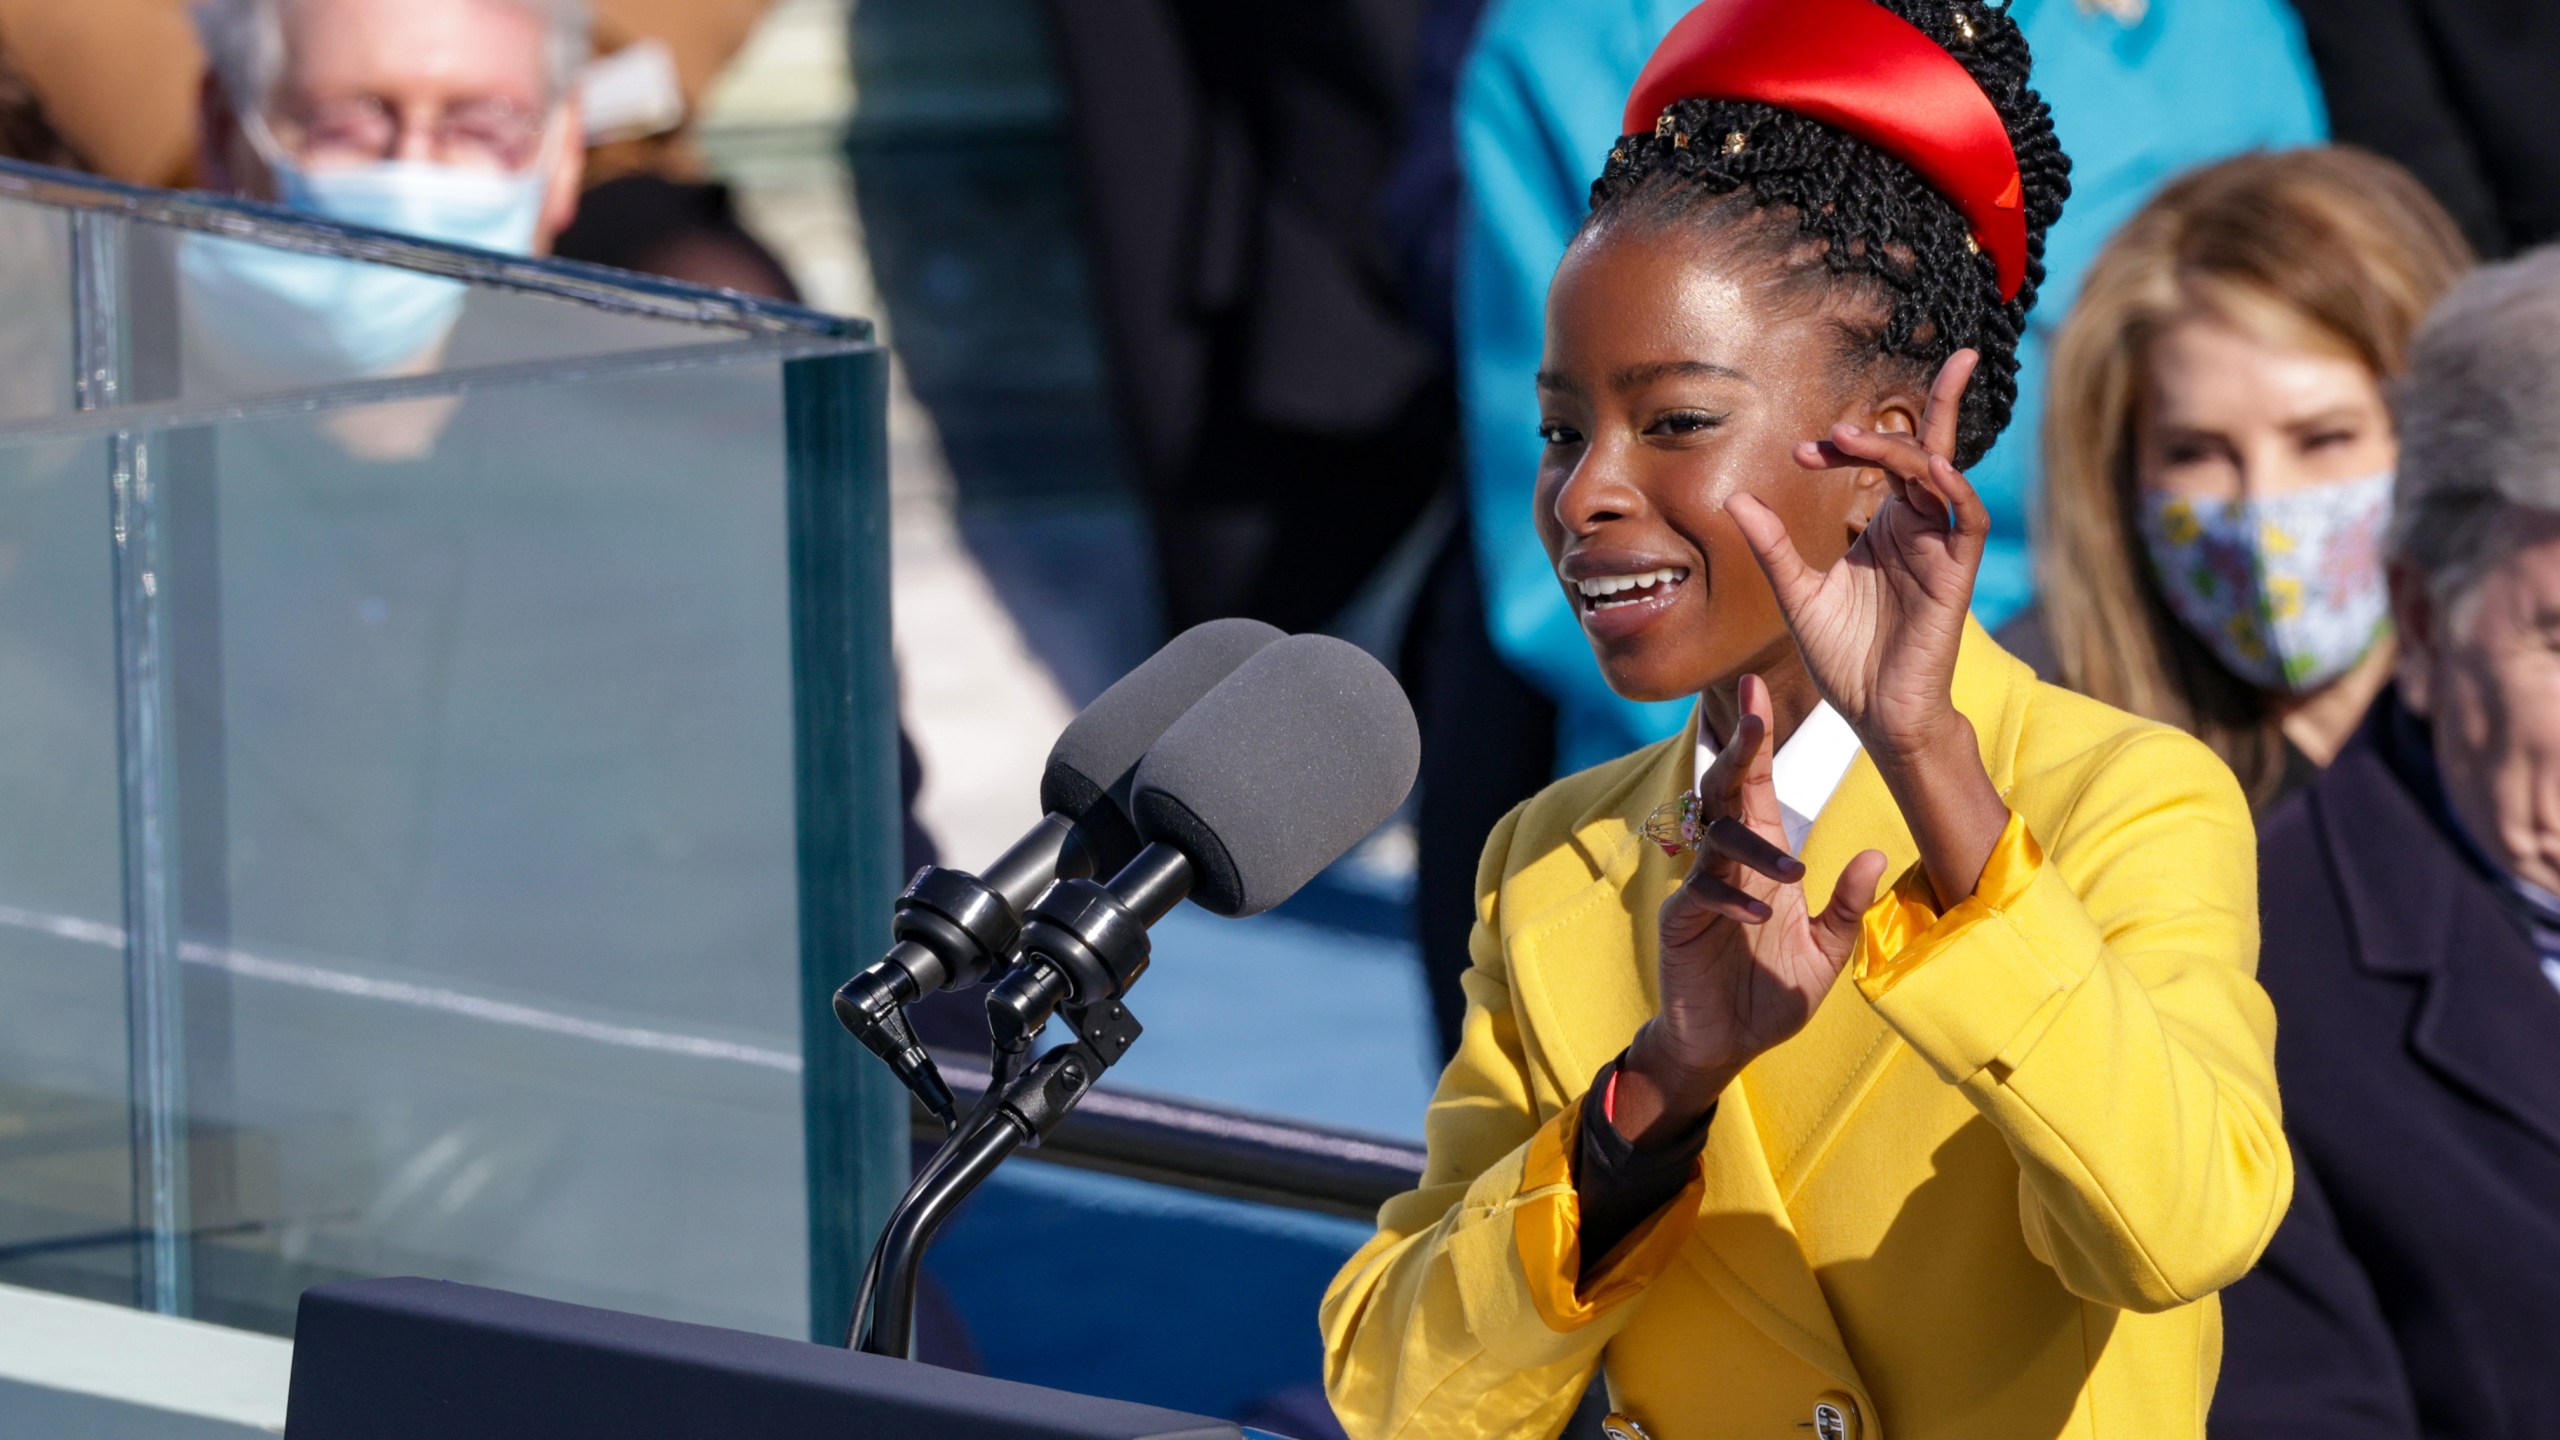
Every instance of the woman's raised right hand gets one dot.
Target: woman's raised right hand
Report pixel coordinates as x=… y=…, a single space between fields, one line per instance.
x=1743 y=963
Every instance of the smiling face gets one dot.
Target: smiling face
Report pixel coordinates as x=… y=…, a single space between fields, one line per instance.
x=1681 y=370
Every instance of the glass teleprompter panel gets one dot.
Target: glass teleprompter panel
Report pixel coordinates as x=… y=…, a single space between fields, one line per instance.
x=410 y=769
x=486 y=802
x=235 y=319
x=66 y=1170
x=36 y=340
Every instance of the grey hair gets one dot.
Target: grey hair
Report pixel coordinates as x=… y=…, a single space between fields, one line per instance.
x=244 y=43
x=2479 y=419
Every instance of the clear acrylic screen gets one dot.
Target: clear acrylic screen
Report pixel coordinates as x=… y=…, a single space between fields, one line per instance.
x=66 y=1170
x=36 y=357
x=499 y=903
x=201 y=322
x=210 y=303
x=485 y=848
x=480 y=819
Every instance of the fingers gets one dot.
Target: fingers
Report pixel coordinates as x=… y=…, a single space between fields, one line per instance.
x=1929 y=482
x=1946 y=402
x=1735 y=762
x=1901 y=458
x=1739 y=843
x=1794 y=582
x=1835 y=930
x=1958 y=501
x=1719 y=896
x=1854 y=447
x=1757 y=800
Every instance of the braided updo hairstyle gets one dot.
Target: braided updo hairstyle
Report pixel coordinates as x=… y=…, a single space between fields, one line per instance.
x=1864 y=222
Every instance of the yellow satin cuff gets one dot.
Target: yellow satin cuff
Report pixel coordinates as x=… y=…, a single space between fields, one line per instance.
x=1547 y=1233
x=1902 y=931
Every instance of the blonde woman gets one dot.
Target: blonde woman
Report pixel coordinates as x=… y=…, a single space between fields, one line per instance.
x=2219 y=454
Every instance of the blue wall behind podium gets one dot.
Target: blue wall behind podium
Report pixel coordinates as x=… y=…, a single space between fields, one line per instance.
x=1140 y=1291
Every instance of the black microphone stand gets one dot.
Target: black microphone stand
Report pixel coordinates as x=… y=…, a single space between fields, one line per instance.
x=1082 y=940
x=1026 y=1111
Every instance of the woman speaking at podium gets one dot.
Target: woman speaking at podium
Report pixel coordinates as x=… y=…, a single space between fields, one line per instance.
x=1986 y=1182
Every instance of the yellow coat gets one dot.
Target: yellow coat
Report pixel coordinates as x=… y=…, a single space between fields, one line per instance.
x=1989 y=1192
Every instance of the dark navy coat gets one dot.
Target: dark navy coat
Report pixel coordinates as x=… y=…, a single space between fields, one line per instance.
x=2414 y=1289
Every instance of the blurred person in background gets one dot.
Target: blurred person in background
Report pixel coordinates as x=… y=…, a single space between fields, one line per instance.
x=2139 y=92
x=120 y=81
x=2459 y=91
x=648 y=205
x=1489 y=736
x=2218 y=455
x=2411 y=902
x=26 y=131
x=1268 y=376
x=450 y=120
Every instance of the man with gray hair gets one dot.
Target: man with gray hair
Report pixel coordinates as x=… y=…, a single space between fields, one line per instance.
x=2411 y=908
x=467 y=98
x=450 y=120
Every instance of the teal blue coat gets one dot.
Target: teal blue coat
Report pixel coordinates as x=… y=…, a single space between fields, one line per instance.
x=2188 y=82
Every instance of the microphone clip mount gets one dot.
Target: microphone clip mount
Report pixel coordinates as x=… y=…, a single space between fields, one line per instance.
x=951 y=929
x=1083 y=945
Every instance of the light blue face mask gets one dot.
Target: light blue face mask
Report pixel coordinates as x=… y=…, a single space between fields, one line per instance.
x=312 y=318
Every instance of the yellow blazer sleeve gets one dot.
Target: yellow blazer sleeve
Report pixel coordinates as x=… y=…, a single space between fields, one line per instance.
x=2096 y=998
x=1462 y=1316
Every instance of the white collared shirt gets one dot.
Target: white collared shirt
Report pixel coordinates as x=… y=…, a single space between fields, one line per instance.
x=1807 y=769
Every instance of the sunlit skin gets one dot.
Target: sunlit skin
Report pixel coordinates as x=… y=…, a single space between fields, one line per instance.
x=422 y=60
x=2485 y=669
x=2227 y=414
x=1701 y=419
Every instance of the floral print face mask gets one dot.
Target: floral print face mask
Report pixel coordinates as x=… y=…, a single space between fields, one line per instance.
x=2286 y=589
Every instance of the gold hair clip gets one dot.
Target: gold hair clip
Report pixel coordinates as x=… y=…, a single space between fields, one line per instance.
x=1663 y=125
x=1617 y=154
x=1679 y=139
x=1964 y=26
x=1734 y=140
x=1676 y=825
x=1972 y=244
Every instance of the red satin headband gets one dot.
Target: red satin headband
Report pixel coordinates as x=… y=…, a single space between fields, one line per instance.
x=1856 y=66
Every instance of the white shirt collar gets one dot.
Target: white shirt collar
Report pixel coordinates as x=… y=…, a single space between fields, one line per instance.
x=1807 y=770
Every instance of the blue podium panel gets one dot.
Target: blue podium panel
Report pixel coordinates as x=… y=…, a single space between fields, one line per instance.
x=409 y=1359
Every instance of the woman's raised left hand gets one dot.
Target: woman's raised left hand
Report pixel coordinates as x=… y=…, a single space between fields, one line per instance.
x=1879 y=630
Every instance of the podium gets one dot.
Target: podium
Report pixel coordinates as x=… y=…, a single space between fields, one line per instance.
x=409 y=1359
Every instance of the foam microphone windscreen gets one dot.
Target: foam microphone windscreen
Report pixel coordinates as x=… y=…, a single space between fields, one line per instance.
x=1090 y=766
x=1307 y=747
